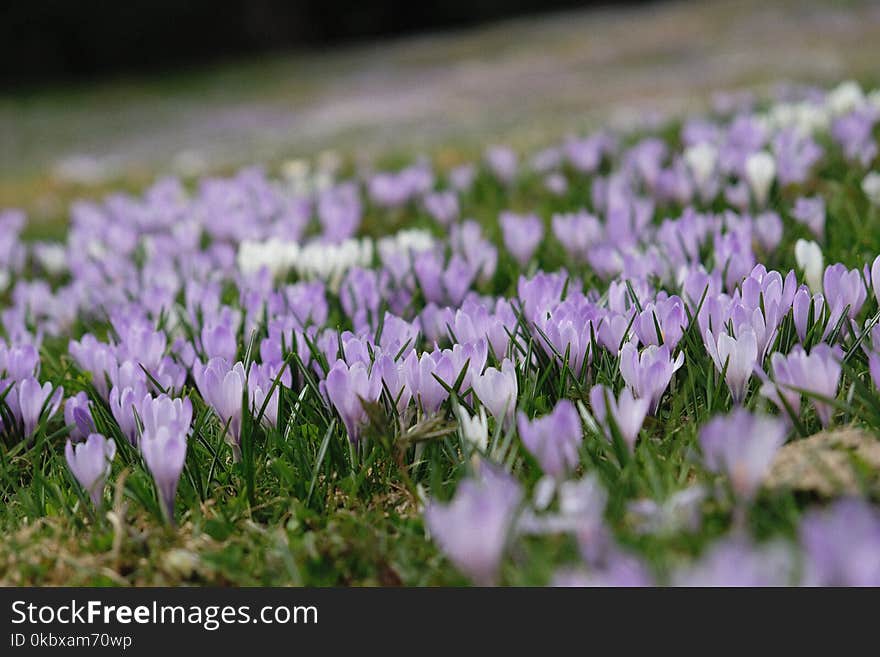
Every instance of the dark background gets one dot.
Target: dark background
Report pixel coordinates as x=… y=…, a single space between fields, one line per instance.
x=45 y=41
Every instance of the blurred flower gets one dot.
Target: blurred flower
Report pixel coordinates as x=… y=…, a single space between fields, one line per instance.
x=627 y=413
x=742 y=446
x=808 y=256
x=472 y=529
x=842 y=545
x=760 y=170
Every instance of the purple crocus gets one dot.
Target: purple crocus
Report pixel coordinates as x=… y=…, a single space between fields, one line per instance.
x=803 y=307
x=844 y=290
x=90 y=461
x=553 y=439
x=348 y=387
x=841 y=545
x=222 y=386
x=649 y=372
x=163 y=444
x=577 y=233
x=817 y=372
x=497 y=390
x=742 y=446
x=736 y=562
x=78 y=416
x=811 y=213
x=36 y=402
x=627 y=412
x=442 y=206
x=502 y=162
x=522 y=235
x=472 y=529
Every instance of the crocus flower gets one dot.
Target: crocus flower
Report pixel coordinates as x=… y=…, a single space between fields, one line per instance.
x=627 y=412
x=735 y=357
x=871 y=187
x=472 y=529
x=522 y=235
x=90 y=461
x=842 y=545
x=811 y=213
x=348 y=387
x=502 y=162
x=163 y=445
x=803 y=306
x=20 y=361
x=553 y=439
x=808 y=256
x=736 y=562
x=222 y=386
x=78 y=416
x=844 y=290
x=760 y=170
x=474 y=430
x=817 y=372
x=497 y=390
x=648 y=373
x=34 y=401
x=742 y=446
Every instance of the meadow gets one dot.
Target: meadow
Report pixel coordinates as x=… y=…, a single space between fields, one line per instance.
x=644 y=356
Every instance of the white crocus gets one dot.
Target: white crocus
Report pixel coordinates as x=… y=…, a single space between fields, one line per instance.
x=760 y=173
x=844 y=98
x=701 y=159
x=809 y=259
x=474 y=430
x=736 y=357
x=871 y=187
x=278 y=256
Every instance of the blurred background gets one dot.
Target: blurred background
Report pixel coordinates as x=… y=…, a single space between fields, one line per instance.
x=99 y=95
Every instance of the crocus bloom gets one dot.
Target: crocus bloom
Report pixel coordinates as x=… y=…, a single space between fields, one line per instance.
x=817 y=372
x=802 y=307
x=474 y=430
x=808 y=256
x=33 y=399
x=222 y=386
x=871 y=187
x=502 y=162
x=842 y=545
x=648 y=373
x=760 y=170
x=627 y=412
x=78 y=416
x=735 y=562
x=736 y=357
x=811 y=213
x=90 y=461
x=163 y=445
x=497 y=390
x=472 y=529
x=553 y=439
x=522 y=235
x=347 y=388
x=844 y=289
x=742 y=446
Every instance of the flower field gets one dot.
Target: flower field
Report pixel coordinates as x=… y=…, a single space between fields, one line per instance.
x=631 y=358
